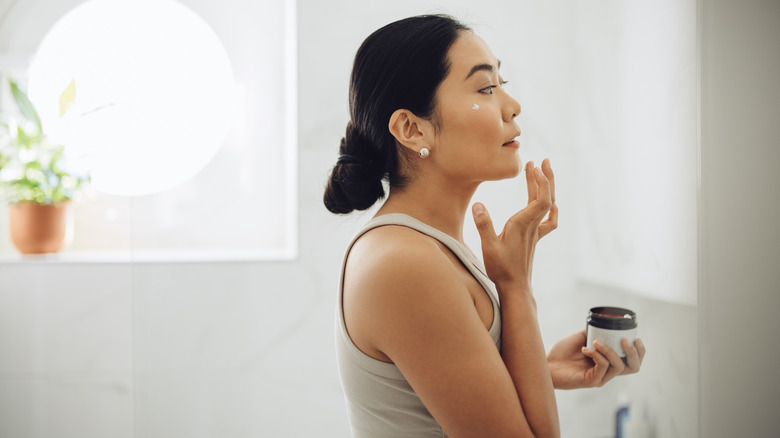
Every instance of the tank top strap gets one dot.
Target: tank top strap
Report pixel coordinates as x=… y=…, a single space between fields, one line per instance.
x=464 y=254
x=462 y=251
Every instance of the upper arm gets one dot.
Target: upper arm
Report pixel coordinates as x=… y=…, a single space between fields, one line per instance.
x=416 y=311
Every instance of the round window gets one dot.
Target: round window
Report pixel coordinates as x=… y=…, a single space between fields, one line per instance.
x=139 y=92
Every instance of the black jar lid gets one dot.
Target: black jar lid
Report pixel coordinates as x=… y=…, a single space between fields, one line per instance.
x=612 y=318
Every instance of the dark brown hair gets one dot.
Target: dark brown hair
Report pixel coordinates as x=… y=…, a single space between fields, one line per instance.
x=399 y=66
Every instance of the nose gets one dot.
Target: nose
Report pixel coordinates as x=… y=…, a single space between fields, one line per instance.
x=511 y=108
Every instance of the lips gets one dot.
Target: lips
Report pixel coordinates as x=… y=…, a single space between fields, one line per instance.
x=513 y=143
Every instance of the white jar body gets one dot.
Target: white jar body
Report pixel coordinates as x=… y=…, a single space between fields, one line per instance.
x=610 y=338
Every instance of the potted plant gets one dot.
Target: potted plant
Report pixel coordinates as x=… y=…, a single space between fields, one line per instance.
x=32 y=179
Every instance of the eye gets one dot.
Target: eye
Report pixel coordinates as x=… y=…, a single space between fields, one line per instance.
x=488 y=90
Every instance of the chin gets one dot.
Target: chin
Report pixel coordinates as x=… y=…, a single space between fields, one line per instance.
x=512 y=174
x=508 y=173
x=499 y=169
x=514 y=169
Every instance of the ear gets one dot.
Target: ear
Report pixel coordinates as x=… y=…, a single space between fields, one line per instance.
x=411 y=131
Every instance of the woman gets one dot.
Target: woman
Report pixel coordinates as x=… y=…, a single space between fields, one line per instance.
x=424 y=347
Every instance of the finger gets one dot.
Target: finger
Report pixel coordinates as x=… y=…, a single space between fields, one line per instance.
x=542 y=203
x=616 y=363
x=530 y=181
x=487 y=233
x=552 y=219
x=632 y=357
x=533 y=214
x=640 y=349
x=548 y=172
x=600 y=369
x=551 y=223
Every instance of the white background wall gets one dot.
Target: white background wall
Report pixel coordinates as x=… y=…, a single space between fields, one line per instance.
x=246 y=349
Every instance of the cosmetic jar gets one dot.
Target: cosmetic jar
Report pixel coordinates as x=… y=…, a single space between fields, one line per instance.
x=610 y=325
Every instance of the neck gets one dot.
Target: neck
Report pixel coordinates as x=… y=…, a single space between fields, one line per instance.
x=440 y=204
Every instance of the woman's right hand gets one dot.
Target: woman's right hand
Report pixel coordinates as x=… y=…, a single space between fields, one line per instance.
x=508 y=256
x=572 y=365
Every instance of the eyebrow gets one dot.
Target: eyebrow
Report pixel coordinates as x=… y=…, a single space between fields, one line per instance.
x=483 y=67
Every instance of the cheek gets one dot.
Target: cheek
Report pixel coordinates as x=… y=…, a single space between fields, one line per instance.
x=475 y=126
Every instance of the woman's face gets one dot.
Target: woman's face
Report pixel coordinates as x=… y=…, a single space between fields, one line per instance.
x=476 y=117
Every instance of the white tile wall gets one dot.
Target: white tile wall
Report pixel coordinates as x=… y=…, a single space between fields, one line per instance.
x=66 y=351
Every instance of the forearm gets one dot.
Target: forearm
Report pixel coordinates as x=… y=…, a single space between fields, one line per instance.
x=525 y=358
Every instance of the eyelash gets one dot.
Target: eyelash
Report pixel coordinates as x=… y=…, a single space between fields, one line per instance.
x=489 y=90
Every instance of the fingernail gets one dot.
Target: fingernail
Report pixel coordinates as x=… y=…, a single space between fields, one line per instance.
x=478 y=209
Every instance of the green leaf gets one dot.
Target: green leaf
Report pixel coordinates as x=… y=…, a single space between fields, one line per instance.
x=34 y=165
x=37 y=195
x=25 y=106
x=67 y=97
x=26 y=140
x=22 y=138
x=58 y=195
x=26 y=183
x=55 y=158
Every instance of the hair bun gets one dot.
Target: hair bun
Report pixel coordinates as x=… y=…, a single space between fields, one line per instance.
x=355 y=183
x=348 y=159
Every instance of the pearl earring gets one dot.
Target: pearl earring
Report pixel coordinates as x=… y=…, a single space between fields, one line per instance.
x=424 y=152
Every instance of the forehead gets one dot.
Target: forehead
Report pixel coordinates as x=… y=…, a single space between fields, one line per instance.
x=467 y=51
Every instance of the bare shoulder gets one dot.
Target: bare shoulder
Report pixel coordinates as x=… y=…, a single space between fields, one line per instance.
x=391 y=241
x=396 y=255
x=392 y=270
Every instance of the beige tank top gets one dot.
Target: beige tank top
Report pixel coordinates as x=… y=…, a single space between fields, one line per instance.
x=380 y=402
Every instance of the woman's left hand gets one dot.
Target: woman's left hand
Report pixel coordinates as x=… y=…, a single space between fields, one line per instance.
x=572 y=365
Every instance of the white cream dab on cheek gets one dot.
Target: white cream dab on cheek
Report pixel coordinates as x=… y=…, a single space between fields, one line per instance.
x=475 y=107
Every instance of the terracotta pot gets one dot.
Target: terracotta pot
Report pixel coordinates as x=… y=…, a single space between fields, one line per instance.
x=40 y=229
